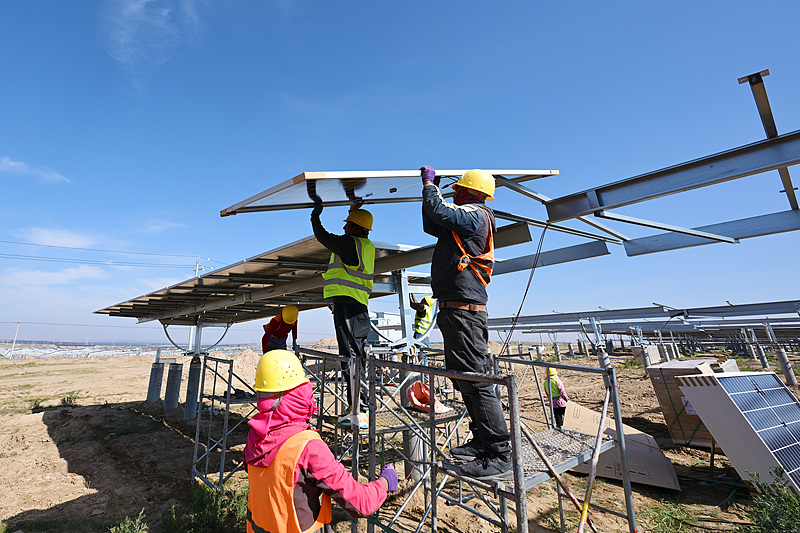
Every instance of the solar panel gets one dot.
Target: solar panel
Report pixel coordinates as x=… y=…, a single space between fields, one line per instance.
x=368 y=187
x=753 y=417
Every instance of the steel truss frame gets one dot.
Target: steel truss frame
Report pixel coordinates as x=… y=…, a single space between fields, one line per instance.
x=564 y=449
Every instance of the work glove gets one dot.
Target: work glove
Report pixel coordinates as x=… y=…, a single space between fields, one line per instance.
x=390 y=475
x=317 y=211
x=428 y=175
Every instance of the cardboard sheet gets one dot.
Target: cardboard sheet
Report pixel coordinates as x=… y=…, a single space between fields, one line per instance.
x=646 y=462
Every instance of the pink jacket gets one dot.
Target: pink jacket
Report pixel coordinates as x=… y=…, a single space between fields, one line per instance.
x=561 y=399
x=317 y=468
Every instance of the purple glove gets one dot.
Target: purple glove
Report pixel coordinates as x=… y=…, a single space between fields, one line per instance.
x=428 y=175
x=390 y=475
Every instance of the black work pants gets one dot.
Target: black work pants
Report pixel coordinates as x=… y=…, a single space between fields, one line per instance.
x=351 y=321
x=466 y=349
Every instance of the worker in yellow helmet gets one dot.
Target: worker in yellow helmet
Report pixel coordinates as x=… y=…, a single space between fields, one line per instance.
x=423 y=316
x=461 y=268
x=292 y=473
x=348 y=284
x=554 y=388
x=277 y=330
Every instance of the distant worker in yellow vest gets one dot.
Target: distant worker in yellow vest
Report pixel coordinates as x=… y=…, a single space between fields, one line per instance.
x=292 y=473
x=348 y=284
x=554 y=388
x=277 y=330
x=423 y=317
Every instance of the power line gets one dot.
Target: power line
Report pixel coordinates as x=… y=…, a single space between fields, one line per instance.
x=90 y=261
x=97 y=249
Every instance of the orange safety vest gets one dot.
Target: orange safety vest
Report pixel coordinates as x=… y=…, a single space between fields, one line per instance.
x=270 y=503
x=484 y=261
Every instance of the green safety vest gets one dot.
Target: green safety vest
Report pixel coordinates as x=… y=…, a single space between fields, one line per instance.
x=421 y=323
x=554 y=392
x=352 y=281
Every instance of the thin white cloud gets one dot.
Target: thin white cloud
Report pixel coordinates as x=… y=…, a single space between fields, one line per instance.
x=55 y=237
x=157 y=226
x=142 y=35
x=20 y=168
x=27 y=279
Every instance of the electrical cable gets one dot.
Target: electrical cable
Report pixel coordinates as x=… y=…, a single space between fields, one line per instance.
x=89 y=261
x=525 y=294
x=95 y=249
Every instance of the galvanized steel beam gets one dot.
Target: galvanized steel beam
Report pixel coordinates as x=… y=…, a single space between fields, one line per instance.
x=761 y=156
x=744 y=228
x=765 y=112
x=669 y=227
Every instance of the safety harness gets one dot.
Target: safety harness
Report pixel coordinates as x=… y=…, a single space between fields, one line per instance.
x=478 y=263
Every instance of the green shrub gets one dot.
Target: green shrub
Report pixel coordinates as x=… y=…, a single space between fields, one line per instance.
x=70 y=400
x=129 y=525
x=210 y=511
x=775 y=510
x=36 y=403
x=668 y=517
x=633 y=363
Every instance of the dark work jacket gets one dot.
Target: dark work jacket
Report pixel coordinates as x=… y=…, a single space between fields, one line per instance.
x=342 y=245
x=471 y=223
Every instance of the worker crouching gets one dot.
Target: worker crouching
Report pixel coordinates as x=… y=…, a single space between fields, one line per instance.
x=292 y=473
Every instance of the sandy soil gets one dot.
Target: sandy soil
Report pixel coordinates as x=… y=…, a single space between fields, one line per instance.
x=79 y=448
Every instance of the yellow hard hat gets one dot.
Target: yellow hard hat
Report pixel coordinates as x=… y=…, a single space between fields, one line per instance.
x=278 y=371
x=428 y=301
x=478 y=181
x=289 y=314
x=360 y=217
x=552 y=372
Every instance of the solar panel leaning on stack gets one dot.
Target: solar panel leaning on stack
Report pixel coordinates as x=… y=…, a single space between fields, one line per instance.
x=754 y=418
x=685 y=427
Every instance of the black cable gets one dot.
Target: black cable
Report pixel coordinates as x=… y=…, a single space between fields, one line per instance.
x=525 y=294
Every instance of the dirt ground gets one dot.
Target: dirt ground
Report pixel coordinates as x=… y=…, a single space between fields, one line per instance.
x=79 y=449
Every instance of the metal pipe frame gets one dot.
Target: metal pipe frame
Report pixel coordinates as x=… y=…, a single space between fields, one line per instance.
x=610 y=374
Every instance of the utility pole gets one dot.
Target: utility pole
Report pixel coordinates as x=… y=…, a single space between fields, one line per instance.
x=191 y=329
x=13 y=344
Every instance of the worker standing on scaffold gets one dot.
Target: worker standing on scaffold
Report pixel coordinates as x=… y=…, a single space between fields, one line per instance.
x=460 y=270
x=276 y=331
x=348 y=284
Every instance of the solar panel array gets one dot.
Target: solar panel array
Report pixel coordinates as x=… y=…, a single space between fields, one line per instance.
x=773 y=412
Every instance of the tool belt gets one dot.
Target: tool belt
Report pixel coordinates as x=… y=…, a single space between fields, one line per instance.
x=462 y=305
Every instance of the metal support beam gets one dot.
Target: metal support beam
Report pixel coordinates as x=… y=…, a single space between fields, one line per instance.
x=744 y=228
x=669 y=227
x=556 y=227
x=530 y=193
x=761 y=156
x=765 y=112
x=552 y=257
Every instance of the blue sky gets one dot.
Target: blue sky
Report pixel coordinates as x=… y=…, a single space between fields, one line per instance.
x=127 y=125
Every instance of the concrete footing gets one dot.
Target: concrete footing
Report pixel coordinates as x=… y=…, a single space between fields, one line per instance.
x=156 y=378
x=786 y=366
x=172 y=391
x=192 y=389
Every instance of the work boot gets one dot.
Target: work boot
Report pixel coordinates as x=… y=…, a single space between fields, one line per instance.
x=348 y=420
x=488 y=466
x=467 y=451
